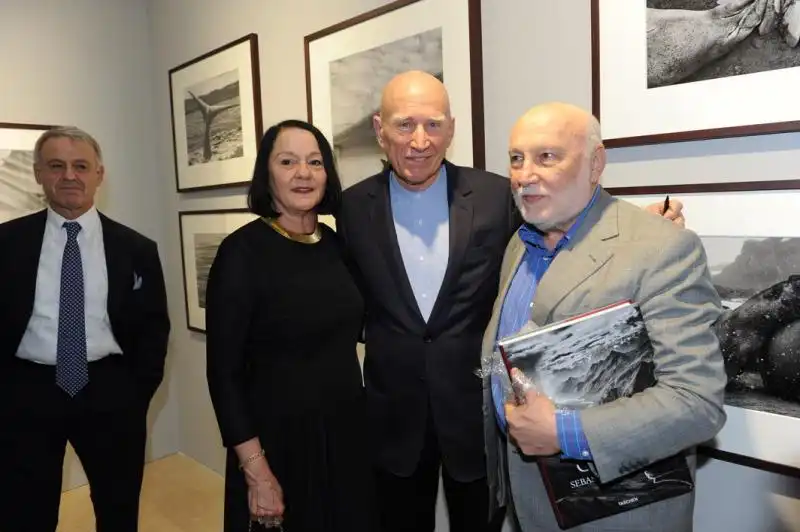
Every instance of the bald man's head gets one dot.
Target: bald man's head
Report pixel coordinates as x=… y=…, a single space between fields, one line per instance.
x=576 y=120
x=414 y=127
x=556 y=160
x=414 y=86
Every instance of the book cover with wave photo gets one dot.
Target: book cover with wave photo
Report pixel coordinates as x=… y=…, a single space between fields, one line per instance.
x=587 y=360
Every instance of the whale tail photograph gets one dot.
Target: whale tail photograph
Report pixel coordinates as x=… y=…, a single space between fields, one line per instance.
x=214 y=119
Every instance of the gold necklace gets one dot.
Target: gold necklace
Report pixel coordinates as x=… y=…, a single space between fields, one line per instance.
x=313 y=238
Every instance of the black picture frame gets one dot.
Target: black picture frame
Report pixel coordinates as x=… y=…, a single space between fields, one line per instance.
x=213 y=226
x=386 y=36
x=20 y=194
x=217 y=131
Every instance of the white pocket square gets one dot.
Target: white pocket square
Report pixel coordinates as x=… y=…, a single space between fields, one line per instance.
x=137 y=281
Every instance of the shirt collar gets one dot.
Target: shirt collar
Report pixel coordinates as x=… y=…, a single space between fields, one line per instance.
x=90 y=220
x=398 y=189
x=531 y=236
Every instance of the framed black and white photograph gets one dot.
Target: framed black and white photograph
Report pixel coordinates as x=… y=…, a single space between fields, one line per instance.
x=677 y=70
x=758 y=280
x=216 y=116
x=20 y=194
x=201 y=234
x=746 y=257
x=348 y=64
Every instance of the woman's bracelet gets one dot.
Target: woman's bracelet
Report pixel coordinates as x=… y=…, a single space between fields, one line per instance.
x=250 y=459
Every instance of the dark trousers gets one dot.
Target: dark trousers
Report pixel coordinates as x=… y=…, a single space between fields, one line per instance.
x=106 y=425
x=408 y=504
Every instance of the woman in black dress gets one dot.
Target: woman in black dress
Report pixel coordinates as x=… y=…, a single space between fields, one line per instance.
x=283 y=317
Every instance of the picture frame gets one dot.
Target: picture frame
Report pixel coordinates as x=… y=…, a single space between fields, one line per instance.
x=217 y=124
x=648 y=87
x=761 y=399
x=705 y=187
x=201 y=233
x=20 y=194
x=755 y=434
x=347 y=65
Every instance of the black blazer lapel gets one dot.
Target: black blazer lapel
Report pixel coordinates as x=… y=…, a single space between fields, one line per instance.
x=386 y=239
x=120 y=278
x=25 y=268
x=459 y=197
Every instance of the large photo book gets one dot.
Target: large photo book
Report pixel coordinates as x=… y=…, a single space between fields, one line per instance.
x=584 y=361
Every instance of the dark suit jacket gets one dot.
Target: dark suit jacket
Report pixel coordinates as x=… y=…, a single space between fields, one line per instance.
x=413 y=369
x=139 y=318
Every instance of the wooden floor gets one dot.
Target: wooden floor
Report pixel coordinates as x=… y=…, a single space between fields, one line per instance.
x=178 y=495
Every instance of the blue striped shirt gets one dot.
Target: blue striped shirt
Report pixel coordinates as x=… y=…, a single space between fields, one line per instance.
x=516 y=312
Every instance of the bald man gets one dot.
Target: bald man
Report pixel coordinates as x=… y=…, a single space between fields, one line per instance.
x=580 y=249
x=427 y=239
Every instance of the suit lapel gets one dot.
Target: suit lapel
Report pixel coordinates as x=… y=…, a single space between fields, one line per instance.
x=27 y=264
x=381 y=217
x=514 y=255
x=587 y=252
x=460 y=205
x=118 y=279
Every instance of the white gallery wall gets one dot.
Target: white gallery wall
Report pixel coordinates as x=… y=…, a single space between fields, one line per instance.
x=88 y=63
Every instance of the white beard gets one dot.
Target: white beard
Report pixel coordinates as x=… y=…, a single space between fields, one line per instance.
x=541 y=225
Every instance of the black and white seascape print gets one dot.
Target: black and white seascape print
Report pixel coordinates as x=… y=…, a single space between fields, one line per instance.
x=20 y=194
x=205 y=251
x=758 y=280
x=214 y=119
x=587 y=362
x=356 y=85
x=696 y=40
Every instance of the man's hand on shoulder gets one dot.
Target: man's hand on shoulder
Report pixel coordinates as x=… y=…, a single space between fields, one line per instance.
x=674 y=211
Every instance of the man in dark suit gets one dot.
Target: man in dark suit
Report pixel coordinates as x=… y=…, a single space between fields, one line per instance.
x=82 y=345
x=427 y=238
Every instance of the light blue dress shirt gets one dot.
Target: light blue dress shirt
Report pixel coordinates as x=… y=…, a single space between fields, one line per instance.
x=515 y=313
x=421 y=221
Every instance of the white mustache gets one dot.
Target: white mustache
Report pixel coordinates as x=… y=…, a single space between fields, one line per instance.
x=527 y=190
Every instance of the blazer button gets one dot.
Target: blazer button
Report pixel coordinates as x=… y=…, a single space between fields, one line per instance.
x=427 y=339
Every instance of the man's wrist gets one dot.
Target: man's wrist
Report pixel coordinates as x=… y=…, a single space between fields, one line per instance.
x=571 y=438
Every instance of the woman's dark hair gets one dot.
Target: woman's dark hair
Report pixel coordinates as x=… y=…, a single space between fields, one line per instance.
x=259 y=197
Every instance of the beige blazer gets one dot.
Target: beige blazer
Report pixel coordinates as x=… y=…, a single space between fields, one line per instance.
x=623 y=252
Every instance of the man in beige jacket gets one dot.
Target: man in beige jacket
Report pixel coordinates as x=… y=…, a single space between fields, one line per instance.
x=580 y=249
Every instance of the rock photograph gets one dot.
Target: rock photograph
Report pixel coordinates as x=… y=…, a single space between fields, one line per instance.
x=205 y=251
x=20 y=194
x=758 y=280
x=356 y=82
x=696 y=40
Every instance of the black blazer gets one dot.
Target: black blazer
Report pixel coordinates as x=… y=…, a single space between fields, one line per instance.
x=139 y=317
x=411 y=364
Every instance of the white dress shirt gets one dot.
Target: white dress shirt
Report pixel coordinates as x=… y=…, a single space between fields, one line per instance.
x=40 y=339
